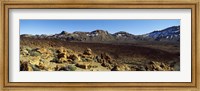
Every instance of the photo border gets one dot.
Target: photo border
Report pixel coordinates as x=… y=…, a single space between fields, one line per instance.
x=111 y=4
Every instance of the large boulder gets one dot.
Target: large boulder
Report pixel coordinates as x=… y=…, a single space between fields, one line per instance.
x=121 y=67
x=158 y=66
x=61 y=50
x=41 y=66
x=83 y=65
x=104 y=64
x=116 y=68
x=24 y=52
x=105 y=56
x=88 y=51
x=34 y=60
x=74 y=57
x=62 y=60
x=62 y=55
x=25 y=66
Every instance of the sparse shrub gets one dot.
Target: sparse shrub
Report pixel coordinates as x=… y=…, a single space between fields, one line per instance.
x=98 y=58
x=84 y=59
x=35 y=68
x=35 y=53
x=28 y=49
x=95 y=60
x=66 y=68
x=53 y=50
x=69 y=51
x=54 y=60
x=35 y=49
x=72 y=67
x=89 y=60
x=55 y=54
x=42 y=60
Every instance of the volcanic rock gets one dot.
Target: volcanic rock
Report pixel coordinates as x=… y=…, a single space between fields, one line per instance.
x=83 y=65
x=88 y=51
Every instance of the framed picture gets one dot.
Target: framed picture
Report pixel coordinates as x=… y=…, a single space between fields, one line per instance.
x=100 y=45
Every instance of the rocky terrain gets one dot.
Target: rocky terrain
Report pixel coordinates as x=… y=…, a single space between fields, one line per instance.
x=101 y=51
x=62 y=59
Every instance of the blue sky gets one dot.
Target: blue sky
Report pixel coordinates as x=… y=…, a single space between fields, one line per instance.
x=136 y=27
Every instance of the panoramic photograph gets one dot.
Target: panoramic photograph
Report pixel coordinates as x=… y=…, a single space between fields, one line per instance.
x=100 y=45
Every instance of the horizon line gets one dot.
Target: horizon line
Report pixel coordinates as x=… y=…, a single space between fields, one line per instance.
x=104 y=30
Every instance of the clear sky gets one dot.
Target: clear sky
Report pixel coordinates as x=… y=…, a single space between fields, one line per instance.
x=136 y=27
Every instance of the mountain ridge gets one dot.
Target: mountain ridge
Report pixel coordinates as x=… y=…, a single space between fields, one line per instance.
x=168 y=34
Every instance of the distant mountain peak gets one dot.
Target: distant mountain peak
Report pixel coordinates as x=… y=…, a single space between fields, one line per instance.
x=64 y=32
x=170 y=33
x=121 y=32
x=98 y=31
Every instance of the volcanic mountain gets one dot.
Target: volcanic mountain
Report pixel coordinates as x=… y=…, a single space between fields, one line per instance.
x=170 y=34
